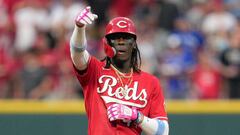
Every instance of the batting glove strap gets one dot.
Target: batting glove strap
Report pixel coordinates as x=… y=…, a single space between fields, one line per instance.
x=139 y=118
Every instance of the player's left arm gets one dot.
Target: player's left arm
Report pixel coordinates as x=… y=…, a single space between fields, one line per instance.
x=156 y=123
x=150 y=126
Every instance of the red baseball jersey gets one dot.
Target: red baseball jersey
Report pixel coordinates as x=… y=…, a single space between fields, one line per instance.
x=101 y=88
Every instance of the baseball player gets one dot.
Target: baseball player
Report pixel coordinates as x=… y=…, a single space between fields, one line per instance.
x=120 y=99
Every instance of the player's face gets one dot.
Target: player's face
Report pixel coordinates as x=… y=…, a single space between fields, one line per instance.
x=124 y=44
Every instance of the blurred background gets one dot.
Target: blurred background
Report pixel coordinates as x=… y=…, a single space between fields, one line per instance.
x=192 y=46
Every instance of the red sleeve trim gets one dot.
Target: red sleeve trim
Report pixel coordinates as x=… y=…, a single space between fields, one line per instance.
x=162 y=118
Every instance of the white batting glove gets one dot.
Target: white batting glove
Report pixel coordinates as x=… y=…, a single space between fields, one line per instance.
x=85 y=17
x=122 y=112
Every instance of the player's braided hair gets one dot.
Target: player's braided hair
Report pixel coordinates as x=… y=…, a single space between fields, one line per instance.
x=135 y=60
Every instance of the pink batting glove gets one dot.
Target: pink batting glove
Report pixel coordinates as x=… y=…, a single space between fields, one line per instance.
x=85 y=17
x=122 y=112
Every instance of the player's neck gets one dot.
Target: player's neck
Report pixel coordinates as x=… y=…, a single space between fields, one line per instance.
x=123 y=67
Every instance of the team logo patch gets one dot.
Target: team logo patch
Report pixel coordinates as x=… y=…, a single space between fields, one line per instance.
x=122 y=24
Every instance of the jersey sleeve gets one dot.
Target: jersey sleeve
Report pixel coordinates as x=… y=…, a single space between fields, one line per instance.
x=90 y=74
x=157 y=109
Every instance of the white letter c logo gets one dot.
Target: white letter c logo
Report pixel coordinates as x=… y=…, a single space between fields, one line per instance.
x=122 y=24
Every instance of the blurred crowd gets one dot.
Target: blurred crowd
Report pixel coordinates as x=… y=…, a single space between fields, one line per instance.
x=192 y=46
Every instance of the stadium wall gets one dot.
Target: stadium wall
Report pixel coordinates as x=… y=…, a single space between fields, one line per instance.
x=28 y=117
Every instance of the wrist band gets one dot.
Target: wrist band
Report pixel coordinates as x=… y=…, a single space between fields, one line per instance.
x=78 y=49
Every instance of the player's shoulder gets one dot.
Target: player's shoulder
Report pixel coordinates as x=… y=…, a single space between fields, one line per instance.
x=148 y=76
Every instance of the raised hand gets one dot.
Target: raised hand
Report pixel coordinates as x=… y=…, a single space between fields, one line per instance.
x=122 y=112
x=85 y=17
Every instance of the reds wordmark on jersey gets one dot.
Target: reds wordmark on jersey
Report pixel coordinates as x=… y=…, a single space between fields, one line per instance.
x=102 y=88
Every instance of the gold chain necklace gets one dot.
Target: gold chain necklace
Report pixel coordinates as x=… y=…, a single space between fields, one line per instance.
x=121 y=75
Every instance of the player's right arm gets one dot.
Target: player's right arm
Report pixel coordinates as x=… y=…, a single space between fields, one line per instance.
x=78 y=43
